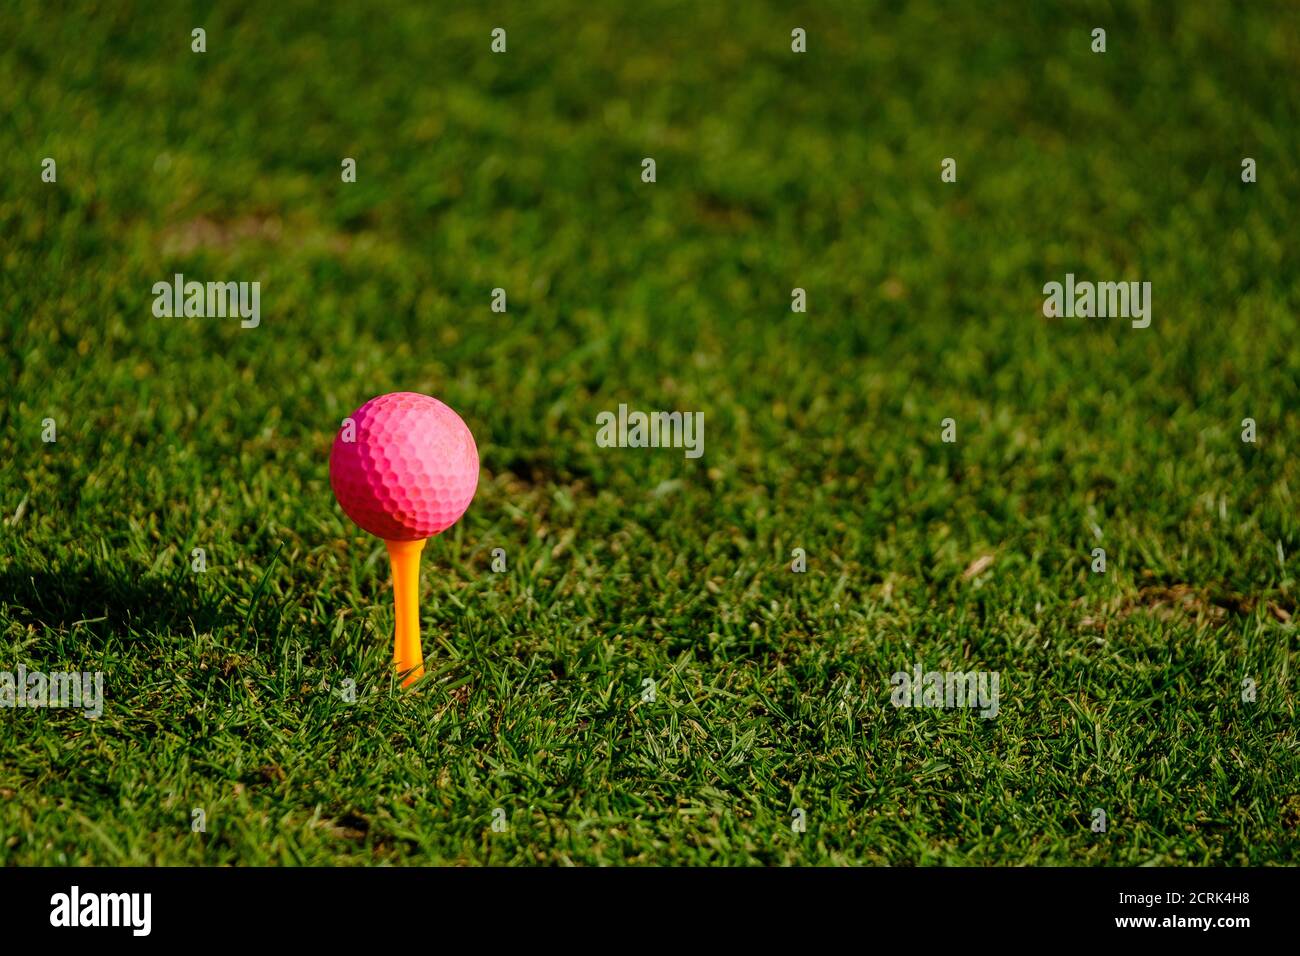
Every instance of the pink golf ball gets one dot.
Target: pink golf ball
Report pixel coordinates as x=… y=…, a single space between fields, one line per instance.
x=405 y=468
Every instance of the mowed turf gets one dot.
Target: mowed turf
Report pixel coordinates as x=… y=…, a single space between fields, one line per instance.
x=1120 y=691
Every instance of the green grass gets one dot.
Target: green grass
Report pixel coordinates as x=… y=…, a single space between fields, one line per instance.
x=1120 y=691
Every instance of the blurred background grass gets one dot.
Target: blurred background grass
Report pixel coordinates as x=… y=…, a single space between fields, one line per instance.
x=775 y=170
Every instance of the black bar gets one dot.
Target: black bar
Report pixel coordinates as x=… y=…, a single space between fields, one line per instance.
x=948 y=906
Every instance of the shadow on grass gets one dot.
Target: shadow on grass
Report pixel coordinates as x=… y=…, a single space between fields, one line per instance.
x=58 y=598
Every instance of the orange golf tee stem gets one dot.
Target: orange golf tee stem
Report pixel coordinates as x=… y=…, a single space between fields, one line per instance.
x=407 y=655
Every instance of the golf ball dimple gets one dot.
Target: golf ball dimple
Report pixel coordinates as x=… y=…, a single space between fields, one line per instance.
x=405 y=467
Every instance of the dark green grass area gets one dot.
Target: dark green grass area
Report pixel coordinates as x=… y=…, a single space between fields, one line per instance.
x=1119 y=691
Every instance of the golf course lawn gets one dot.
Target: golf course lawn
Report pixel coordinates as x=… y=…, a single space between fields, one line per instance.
x=649 y=681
